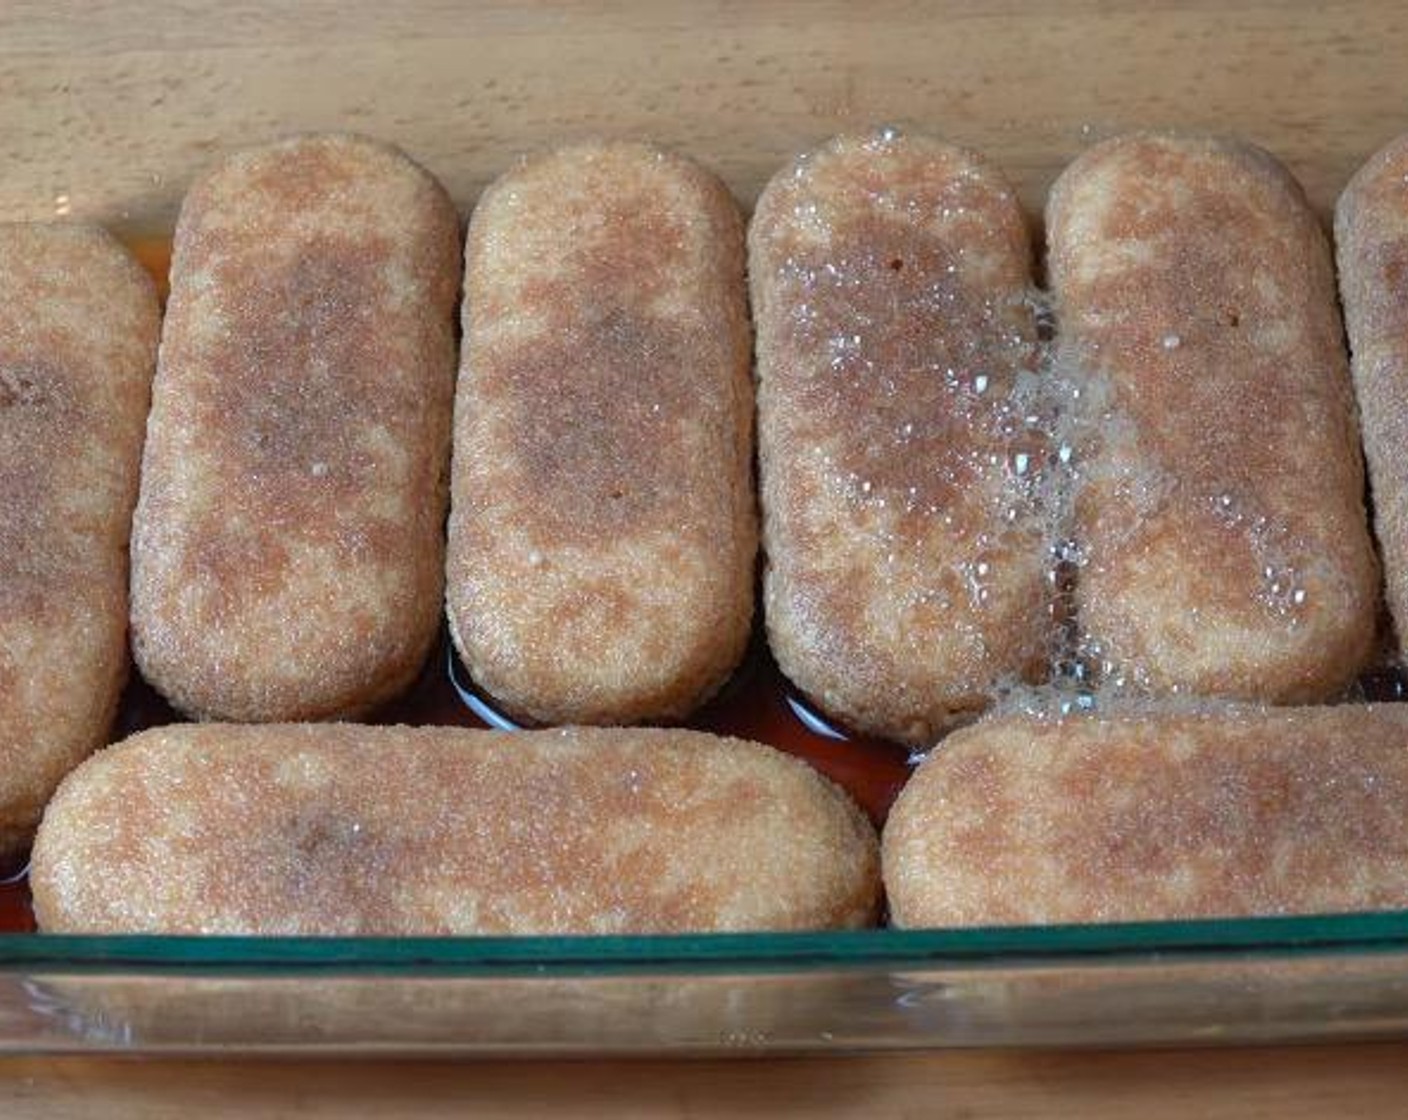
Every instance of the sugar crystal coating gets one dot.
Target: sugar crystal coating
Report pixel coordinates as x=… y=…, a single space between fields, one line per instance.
x=1371 y=228
x=603 y=529
x=287 y=552
x=1219 y=518
x=78 y=335
x=327 y=829
x=902 y=445
x=1156 y=815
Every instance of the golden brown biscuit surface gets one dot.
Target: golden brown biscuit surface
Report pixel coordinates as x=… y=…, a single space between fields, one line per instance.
x=78 y=335
x=287 y=555
x=342 y=829
x=896 y=351
x=603 y=530
x=1130 y=818
x=1221 y=512
x=1371 y=236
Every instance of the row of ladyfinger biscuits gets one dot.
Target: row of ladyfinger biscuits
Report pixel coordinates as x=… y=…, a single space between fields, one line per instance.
x=341 y=829
x=1170 y=495
x=319 y=301
x=286 y=547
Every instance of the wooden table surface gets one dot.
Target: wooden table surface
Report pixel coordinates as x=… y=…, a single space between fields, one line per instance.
x=1288 y=1083
x=109 y=110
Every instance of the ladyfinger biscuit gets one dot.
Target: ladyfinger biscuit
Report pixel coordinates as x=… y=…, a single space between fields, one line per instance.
x=287 y=560
x=78 y=334
x=1156 y=816
x=340 y=829
x=904 y=578
x=1371 y=235
x=603 y=527
x=1220 y=513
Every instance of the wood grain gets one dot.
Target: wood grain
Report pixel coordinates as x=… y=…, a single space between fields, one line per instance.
x=1285 y=1083
x=109 y=110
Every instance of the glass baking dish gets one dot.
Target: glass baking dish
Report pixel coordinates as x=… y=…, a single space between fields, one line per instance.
x=1263 y=980
x=110 y=112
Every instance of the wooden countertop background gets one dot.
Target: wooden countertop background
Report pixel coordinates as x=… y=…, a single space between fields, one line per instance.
x=108 y=110
x=1286 y=1083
